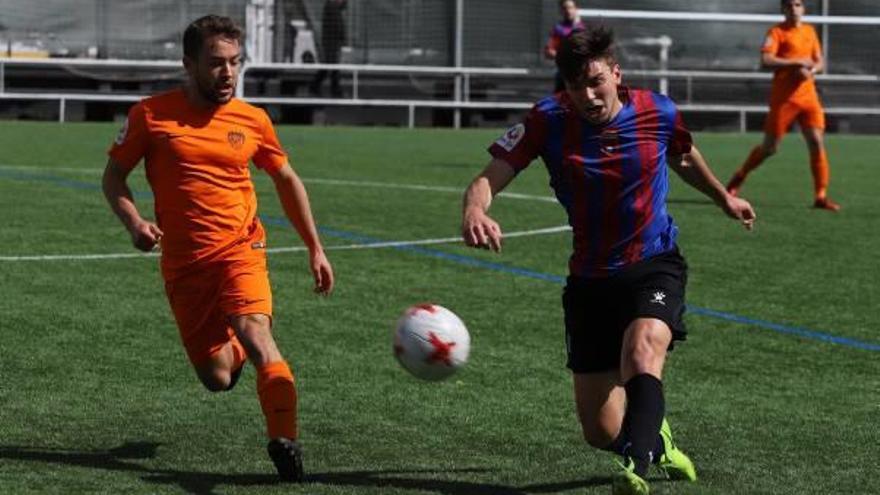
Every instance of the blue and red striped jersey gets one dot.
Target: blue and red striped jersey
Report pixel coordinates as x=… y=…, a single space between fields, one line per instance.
x=562 y=30
x=611 y=179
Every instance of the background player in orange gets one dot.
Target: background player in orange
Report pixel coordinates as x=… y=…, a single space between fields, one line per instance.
x=197 y=142
x=793 y=51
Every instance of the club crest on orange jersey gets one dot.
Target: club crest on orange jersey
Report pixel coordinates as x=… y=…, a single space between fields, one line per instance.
x=235 y=138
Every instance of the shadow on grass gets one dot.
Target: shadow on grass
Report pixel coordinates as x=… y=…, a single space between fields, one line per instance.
x=124 y=459
x=398 y=480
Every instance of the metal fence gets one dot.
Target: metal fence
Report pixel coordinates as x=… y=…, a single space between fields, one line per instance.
x=706 y=62
x=494 y=33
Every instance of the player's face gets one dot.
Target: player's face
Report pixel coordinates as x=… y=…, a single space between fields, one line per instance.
x=594 y=95
x=215 y=73
x=793 y=10
x=569 y=11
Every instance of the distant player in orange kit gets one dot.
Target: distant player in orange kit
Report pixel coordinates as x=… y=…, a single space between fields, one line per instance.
x=196 y=143
x=793 y=51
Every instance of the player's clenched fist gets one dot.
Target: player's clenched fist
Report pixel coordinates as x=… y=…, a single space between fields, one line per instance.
x=145 y=235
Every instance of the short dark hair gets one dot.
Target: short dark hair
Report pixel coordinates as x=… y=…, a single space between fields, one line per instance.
x=563 y=2
x=582 y=47
x=204 y=27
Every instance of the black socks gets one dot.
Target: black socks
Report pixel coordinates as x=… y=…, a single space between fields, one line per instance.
x=645 y=408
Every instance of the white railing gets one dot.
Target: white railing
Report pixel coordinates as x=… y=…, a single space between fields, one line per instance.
x=83 y=62
x=462 y=102
x=461 y=81
x=464 y=73
x=744 y=110
x=823 y=20
x=690 y=75
x=723 y=17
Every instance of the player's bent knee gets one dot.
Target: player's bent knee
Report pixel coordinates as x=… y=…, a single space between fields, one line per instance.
x=641 y=356
x=216 y=383
x=770 y=144
x=645 y=350
x=255 y=334
x=597 y=437
x=215 y=379
x=253 y=323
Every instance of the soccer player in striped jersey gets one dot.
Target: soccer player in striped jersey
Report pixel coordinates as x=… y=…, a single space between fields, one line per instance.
x=792 y=50
x=569 y=23
x=606 y=148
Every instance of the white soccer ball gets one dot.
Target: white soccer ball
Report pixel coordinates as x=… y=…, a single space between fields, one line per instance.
x=431 y=342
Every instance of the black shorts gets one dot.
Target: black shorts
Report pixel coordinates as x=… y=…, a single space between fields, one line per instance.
x=598 y=311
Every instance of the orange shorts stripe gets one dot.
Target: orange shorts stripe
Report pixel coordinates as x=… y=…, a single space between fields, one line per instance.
x=809 y=114
x=203 y=301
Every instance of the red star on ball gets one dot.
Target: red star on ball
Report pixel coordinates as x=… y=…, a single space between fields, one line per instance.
x=430 y=308
x=442 y=350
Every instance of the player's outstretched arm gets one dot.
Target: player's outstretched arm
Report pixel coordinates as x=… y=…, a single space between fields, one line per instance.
x=295 y=201
x=771 y=61
x=694 y=170
x=477 y=228
x=144 y=235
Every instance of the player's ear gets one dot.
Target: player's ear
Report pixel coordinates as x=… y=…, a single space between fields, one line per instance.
x=615 y=72
x=189 y=64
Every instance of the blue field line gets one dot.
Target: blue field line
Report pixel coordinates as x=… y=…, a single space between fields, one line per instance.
x=60 y=181
x=801 y=332
x=456 y=258
x=469 y=261
x=466 y=260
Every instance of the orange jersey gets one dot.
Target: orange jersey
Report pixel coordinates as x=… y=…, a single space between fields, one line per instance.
x=792 y=42
x=197 y=166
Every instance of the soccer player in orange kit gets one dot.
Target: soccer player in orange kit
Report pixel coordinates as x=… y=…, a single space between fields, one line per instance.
x=196 y=143
x=793 y=51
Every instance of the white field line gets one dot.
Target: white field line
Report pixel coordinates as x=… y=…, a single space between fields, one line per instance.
x=290 y=249
x=335 y=182
x=354 y=183
x=422 y=242
x=41 y=168
x=416 y=187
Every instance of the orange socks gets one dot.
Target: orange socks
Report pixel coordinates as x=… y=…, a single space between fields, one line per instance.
x=278 y=399
x=755 y=158
x=819 y=167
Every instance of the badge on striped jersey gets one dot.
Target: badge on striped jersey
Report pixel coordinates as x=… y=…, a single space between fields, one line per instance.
x=120 y=138
x=512 y=137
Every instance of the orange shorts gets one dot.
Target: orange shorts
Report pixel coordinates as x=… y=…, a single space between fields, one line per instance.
x=203 y=301
x=809 y=114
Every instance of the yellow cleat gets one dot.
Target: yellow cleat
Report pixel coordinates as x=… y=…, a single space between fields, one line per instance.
x=675 y=463
x=627 y=482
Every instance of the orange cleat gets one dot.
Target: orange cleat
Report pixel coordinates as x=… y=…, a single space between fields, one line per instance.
x=826 y=204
